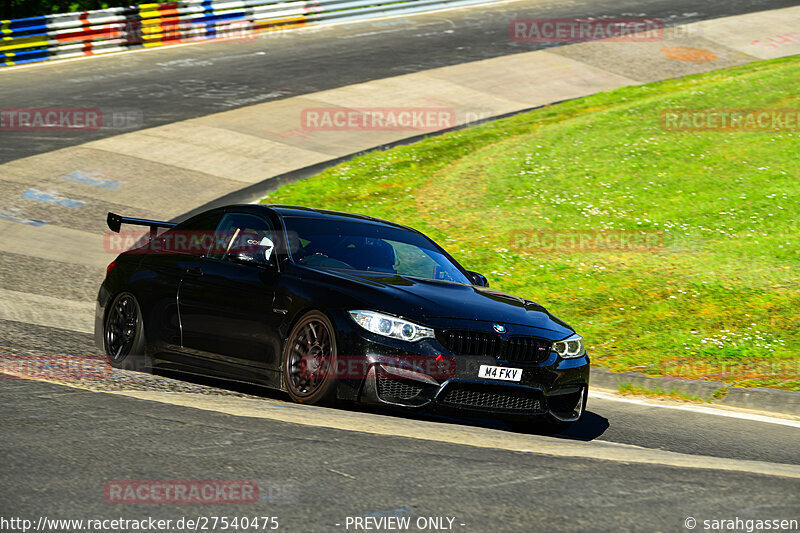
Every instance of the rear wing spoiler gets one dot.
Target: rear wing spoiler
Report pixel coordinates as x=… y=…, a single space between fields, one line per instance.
x=114 y=222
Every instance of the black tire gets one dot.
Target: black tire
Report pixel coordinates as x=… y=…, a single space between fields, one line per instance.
x=309 y=360
x=123 y=334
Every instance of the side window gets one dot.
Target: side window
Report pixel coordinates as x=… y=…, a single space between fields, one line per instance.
x=193 y=236
x=237 y=231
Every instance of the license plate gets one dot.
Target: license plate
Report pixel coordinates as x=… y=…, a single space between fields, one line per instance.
x=500 y=372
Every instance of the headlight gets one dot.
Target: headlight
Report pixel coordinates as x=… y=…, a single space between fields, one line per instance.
x=570 y=347
x=390 y=326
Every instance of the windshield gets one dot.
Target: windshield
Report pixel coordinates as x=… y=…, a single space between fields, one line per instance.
x=353 y=245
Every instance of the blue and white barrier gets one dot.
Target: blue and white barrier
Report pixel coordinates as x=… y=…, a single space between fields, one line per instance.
x=103 y=31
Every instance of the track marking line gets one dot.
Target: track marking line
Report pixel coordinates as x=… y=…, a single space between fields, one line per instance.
x=341 y=473
x=697 y=409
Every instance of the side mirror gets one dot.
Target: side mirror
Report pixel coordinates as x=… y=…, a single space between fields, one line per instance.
x=259 y=253
x=478 y=279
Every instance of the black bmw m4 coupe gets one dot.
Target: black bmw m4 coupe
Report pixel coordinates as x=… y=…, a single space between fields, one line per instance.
x=326 y=305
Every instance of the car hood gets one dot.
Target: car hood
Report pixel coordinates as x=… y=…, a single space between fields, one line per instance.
x=417 y=298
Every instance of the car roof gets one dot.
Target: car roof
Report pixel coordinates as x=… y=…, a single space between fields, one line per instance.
x=323 y=214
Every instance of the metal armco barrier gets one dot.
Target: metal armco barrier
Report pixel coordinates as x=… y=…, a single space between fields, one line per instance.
x=86 y=33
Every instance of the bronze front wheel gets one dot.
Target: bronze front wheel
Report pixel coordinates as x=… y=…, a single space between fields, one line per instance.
x=309 y=360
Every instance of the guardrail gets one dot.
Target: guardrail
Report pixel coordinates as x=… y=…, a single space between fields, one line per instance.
x=67 y=35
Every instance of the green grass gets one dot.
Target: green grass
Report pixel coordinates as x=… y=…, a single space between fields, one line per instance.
x=717 y=297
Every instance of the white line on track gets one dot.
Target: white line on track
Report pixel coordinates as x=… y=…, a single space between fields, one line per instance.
x=697 y=409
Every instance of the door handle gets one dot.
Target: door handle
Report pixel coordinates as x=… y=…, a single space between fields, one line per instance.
x=194 y=271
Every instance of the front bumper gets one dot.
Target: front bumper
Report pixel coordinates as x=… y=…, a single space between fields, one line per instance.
x=424 y=375
x=390 y=385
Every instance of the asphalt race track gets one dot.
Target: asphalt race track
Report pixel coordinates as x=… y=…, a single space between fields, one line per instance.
x=313 y=478
x=631 y=465
x=171 y=84
x=62 y=444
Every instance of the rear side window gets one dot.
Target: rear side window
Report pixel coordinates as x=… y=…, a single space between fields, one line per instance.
x=194 y=236
x=241 y=230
